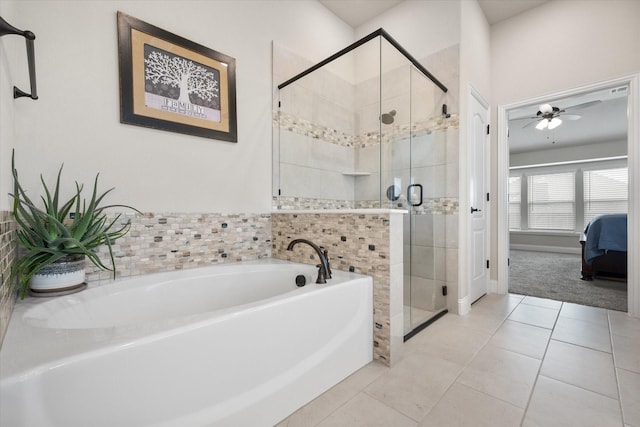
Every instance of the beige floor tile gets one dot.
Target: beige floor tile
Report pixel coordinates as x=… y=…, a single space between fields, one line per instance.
x=498 y=303
x=630 y=396
x=542 y=302
x=626 y=352
x=415 y=384
x=365 y=376
x=485 y=321
x=543 y=317
x=622 y=324
x=464 y=406
x=582 y=333
x=580 y=366
x=558 y=404
x=365 y=411
x=455 y=343
x=582 y=312
x=320 y=408
x=503 y=374
x=522 y=338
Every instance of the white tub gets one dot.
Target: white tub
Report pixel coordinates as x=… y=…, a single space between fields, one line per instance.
x=231 y=345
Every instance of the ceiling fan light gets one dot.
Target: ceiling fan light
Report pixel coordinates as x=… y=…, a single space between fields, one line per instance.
x=554 y=123
x=546 y=108
x=542 y=124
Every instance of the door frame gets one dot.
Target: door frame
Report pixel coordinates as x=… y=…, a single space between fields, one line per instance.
x=633 y=153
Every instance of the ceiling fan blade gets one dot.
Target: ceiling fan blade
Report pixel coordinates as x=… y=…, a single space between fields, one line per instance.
x=523 y=118
x=583 y=105
x=570 y=117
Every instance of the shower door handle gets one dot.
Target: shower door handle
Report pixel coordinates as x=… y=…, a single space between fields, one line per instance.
x=410 y=197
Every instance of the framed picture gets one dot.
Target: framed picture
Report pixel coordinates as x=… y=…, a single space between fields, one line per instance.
x=170 y=83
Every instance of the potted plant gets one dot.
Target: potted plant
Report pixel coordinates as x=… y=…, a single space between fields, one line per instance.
x=58 y=236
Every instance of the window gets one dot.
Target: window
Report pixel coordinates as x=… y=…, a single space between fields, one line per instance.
x=515 y=220
x=605 y=191
x=551 y=201
x=565 y=196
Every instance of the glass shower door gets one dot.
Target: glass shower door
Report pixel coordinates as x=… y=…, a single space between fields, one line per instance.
x=426 y=234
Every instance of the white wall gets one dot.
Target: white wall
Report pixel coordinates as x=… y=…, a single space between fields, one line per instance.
x=9 y=46
x=475 y=50
x=76 y=119
x=421 y=27
x=475 y=71
x=559 y=46
x=562 y=45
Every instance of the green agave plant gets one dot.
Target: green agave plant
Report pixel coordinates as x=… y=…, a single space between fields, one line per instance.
x=59 y=229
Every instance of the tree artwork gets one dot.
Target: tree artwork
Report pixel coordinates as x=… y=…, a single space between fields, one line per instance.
x=181 y=79
x=173 y=84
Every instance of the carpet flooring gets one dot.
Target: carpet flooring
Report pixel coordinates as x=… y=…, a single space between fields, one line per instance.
x=557 y=276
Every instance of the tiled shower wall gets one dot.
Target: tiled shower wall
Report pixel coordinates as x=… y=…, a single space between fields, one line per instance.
x=368 y=244
x=7 y=255
x=313 y=125
x=171 y=241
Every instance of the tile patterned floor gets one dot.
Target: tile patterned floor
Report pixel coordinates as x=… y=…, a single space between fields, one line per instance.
x=513 y=361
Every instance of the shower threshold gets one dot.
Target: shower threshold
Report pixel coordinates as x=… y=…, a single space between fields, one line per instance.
x=428 y=319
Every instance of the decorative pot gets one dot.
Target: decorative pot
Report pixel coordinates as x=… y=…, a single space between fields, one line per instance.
x=63 y=276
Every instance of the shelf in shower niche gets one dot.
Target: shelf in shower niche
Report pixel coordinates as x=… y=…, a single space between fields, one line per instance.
x=356 y=173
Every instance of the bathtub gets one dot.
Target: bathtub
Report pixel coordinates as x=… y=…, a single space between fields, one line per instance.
x=231 y=345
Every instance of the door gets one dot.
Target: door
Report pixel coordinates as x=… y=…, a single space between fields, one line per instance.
x=478 y=145
x=420 y=156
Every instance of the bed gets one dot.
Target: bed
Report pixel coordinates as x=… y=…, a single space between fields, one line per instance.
x=604 y=247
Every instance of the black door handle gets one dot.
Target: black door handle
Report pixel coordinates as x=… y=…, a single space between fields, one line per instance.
x=475 y=210
x=410 y=199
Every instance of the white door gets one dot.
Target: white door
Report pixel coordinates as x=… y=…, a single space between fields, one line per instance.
x=478 y=145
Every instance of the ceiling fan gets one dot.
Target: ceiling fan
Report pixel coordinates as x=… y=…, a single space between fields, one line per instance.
x=548 y=116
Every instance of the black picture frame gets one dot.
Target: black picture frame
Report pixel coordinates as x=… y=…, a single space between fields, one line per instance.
x=170 y=83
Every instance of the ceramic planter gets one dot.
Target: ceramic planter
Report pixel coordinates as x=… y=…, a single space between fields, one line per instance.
x=65 y=275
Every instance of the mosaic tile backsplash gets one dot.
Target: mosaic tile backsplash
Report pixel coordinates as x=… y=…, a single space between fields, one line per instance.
x=359 y=243
x=301 y=126
x=171 y=241
x=289 y=122
x=437 y=206
x=7 y=255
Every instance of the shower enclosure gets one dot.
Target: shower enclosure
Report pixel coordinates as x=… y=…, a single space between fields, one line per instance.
x=366 y=128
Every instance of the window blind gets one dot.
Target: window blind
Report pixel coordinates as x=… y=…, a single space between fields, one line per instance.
x=515 y=219
x=551 y=201
x=605 y=191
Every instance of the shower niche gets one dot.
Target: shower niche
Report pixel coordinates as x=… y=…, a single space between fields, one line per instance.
x=368 y=128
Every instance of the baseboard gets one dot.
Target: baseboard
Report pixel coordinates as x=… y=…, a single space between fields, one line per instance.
x=540 y=248
x=492 y=287
x=464 y=305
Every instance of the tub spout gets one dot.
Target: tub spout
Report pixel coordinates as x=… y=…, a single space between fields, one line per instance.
x=323 y=269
